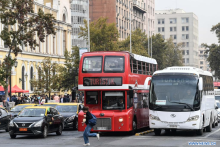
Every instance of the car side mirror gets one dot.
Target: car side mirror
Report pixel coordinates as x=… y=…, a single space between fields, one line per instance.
x=15 y=115
x=0 y=113
x=216 y=107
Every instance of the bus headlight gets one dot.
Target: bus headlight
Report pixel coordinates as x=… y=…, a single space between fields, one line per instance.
x=193 y=118
x=120 y=120
x=154 y=117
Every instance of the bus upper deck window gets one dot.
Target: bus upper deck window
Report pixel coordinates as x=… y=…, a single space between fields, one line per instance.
x=114 y=64
x=92 y=64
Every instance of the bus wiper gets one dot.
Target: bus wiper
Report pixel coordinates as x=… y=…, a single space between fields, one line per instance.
x=184 y=104
x=157 y=107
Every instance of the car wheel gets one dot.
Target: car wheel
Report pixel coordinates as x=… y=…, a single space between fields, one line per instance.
x=167 y=131
x=7 y=129
x=59 y=131
x=45 y=133
x=216 y=124
x=157 y=132
x=213 y=124
x=13 y=136
x=209 y=127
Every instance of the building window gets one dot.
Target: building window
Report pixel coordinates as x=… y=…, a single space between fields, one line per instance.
x=174 y=29
x=158 y=29
x=53 y=44
x=183 y=28
x=160 y=21
x=183 y=60
x=163 y=29
x=201 y=62
x=201 y=67
x=171 y=29
x=172 y=20
x=174 y=37
x=187 y=28
x=187 y=52
x=23 y=70
x=47 y=44
x=185 y=20
x=187 y=60
x=64 y=18
x=64 y=42
x=187 y=44
x=31 y=77
x=201 y=52
x=185 y=36
x=183 y=52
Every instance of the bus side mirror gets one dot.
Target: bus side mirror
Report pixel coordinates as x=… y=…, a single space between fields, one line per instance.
x=131 y=93
x=200 y=84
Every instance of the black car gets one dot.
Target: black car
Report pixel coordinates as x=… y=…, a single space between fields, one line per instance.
x=36 y=120
x=69 y=111
x=16 y=109
x=5 y=118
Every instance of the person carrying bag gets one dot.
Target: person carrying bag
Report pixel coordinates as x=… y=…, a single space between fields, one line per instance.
x=90 y=121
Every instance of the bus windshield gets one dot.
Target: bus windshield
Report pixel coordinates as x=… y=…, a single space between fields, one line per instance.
x=92 y=65
x=217 y=98
x=174 y=90
x=114 y=64
x=113 y=100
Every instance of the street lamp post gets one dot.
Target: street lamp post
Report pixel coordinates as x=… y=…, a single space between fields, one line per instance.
x=16 y=64
x=130 y=26
x=88 y=29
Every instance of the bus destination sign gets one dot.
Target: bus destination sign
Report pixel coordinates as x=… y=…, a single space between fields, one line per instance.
x=102 y=81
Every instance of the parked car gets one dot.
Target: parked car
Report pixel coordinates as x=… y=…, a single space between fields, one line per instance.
x=50 y=104
x=218 y=110
x=5 y=118
x=16 y=109
x=70 y=113
x=36 y=120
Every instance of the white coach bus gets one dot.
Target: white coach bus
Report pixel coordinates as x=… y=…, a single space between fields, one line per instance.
x=182 y=98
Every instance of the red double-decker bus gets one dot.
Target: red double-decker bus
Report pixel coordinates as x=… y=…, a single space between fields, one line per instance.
x=115 y=86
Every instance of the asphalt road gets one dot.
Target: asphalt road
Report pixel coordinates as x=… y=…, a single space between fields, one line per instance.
x=71 y=138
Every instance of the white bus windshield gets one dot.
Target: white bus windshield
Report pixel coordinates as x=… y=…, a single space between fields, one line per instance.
x=178 y=90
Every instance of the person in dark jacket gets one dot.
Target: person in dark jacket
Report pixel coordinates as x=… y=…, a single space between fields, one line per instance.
x=88 y=128
x=36 y=101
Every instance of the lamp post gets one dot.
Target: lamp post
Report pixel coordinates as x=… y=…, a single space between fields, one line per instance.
x=16 y=64
x=88 y=30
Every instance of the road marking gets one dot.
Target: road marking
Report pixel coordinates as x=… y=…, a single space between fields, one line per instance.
x=211 y=133
x=145 y=132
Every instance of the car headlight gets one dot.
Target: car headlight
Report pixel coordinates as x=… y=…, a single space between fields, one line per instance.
x=154 y=117
x=120 y=119
x=193 y=118
x=71 y=118
x=11 y=124
x=39 y=123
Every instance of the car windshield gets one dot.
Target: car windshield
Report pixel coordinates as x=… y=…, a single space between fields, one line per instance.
x=35 y=112
x=114 y=64
x=52 y=105
x=113 y=100
x=66 y=108
x=169 y=90
x=18 y=108
x=92 y=65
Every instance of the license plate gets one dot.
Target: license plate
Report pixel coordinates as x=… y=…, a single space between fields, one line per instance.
x=23 y=129
x=102 y=128
x=173 y=126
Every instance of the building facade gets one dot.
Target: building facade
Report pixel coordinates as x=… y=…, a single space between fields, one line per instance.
x=138 y=13
x=54 y=45
x=183 y=28
x=203 y=63
x=79 y=13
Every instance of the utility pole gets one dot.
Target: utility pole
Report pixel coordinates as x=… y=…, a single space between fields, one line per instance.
x=88 y=30
x=130 y=28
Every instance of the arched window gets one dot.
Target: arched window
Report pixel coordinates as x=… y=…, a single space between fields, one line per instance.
x=31 y=76
x=64 y=18
x=23 y=69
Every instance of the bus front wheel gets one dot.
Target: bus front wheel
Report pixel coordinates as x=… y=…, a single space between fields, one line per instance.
x=199 y=132
x=209 y=127
x=157 y=132
x=134 y=127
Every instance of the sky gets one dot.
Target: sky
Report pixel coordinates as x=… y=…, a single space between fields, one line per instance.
x=208 y=13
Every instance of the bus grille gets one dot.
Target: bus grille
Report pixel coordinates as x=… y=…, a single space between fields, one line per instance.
x=103 y=124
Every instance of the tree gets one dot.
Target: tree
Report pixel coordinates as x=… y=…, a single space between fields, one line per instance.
x=48 y=79
x=213 y=52
x=138 y=42
x=158 y=49
x=103 y=35
x=20 y=13
x=69 y=71
x=172 y=54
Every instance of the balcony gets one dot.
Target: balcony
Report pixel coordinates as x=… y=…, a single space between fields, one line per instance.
x=142 y=10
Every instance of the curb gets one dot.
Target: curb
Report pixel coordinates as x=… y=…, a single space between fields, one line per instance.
x=145 y=132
